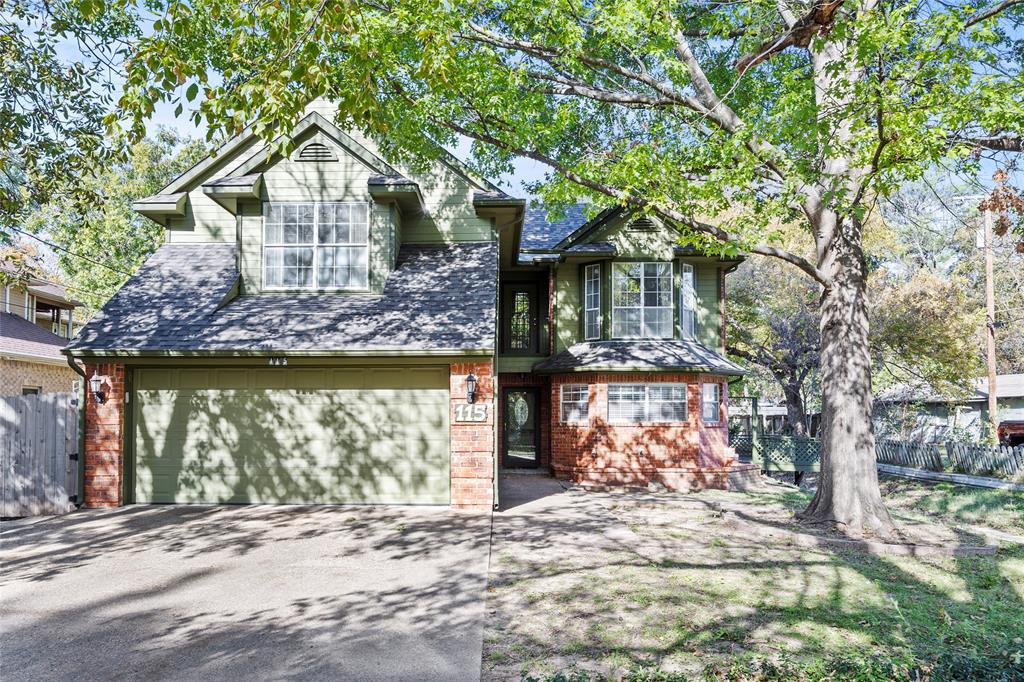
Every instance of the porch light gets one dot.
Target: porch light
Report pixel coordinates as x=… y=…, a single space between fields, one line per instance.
x=471 y=388
x=96 y=386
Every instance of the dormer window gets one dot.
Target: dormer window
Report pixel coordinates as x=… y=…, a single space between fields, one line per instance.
x=642 y=300
x=316 y=246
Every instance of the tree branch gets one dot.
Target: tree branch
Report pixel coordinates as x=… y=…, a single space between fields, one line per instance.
x=978 y=17
x=996 y=143
x=628 y=199
x=798 y=34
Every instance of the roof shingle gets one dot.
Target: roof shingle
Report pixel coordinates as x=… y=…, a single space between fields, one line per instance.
x=437 y=298
x=639 y=355
x=18 y=335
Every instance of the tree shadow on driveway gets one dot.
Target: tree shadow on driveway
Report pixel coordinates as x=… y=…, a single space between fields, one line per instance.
x=241 y=592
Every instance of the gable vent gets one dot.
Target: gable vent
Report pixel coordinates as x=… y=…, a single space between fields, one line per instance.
x=316 y=151
x=642 y=225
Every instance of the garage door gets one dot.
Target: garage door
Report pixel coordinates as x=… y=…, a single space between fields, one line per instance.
x=291 y=435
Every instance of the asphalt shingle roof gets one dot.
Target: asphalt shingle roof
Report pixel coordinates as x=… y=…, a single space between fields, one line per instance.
x=541 y=233
x=437 y=298
x=18 y=335
x=641 y=355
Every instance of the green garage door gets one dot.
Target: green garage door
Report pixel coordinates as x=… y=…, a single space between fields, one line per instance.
x=292 y=435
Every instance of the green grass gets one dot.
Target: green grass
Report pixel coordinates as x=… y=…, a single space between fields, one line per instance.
x=746 y=611
x=1000 y=509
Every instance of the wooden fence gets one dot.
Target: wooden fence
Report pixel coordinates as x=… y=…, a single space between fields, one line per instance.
x=908 y=454
x=38 y=454
x=986 y=460
x=801 y=455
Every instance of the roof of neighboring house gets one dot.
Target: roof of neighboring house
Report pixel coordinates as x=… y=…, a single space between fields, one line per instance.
x=1007 y=386
x=20 y=337
x=438 y=298
x=640 y=355
x=43 y=288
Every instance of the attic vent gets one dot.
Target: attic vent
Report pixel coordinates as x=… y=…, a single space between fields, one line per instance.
x=315 y=151
x=642 y=225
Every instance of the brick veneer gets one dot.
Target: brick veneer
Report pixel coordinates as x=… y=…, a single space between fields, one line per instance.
x=472 y=443
x=104 y=438
x=17 y=374
x=527 y=380
x=679 y=456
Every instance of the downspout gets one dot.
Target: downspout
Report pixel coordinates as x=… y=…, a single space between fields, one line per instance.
x=80 y=497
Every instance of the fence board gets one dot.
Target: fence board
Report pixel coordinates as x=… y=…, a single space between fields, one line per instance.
x=986 y=460
x=37 y=435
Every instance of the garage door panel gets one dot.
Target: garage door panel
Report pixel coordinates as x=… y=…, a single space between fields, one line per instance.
x=324 y=452
x=331 y=436
x=292 y=486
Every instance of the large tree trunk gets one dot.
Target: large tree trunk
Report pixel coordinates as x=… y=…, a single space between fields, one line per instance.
x=796 y=416
x=848 y=494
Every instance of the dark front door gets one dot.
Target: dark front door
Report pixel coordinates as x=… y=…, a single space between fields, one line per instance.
x=522 y=438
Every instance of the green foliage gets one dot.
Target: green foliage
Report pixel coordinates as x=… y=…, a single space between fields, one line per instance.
x=925 y=331
x=106 y=241
x=602 y=92
x=51 y=107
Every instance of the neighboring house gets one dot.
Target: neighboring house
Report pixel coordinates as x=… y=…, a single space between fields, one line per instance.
x=771 y=417
x=911 y=412
x=36 y=321
x=312 y=330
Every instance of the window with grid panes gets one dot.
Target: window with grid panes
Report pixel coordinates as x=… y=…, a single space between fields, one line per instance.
x=316 y=246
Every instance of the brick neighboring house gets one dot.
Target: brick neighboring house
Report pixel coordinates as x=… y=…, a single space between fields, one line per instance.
x=330 y=327
x=36 y=322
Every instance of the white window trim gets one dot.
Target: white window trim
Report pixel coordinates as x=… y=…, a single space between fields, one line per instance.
x=316 y=251
x=586 y=307
x=718 y=402
x=561 y=403
x=641 y=307
x=647 y=403
x=687 y=301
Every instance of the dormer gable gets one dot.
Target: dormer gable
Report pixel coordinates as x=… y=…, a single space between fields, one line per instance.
x=322 y=182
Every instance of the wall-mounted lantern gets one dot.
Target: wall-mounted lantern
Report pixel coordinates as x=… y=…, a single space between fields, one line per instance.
x=471 y=388
x=96 y=386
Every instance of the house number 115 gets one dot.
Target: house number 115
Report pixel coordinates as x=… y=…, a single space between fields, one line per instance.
x=477 y=412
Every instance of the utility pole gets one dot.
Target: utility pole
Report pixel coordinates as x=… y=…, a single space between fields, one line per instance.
x=990 y=329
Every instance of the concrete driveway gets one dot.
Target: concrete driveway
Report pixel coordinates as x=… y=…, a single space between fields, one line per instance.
x=243 y=593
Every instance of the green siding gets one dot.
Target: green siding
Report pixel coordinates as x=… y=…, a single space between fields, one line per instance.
x=292 y=435
x=568 y=306
x=709 y=319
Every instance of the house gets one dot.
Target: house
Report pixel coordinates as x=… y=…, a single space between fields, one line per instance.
x=325 y=326
x=911 y=412
x=37 y=318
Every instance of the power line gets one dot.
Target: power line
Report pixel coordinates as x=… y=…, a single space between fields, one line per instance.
x=70 y=252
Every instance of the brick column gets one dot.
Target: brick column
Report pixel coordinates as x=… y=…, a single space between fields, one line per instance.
x=104 y=437
x=472 y=442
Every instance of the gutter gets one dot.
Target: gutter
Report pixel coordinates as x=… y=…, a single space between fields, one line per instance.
x=273 y=352
x=30 y=357
x=80 y=441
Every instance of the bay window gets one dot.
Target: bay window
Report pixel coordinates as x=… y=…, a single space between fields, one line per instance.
x=711 y=397
x=636 y=403
x=316 y=246
x=642 y=300
x=574 y=402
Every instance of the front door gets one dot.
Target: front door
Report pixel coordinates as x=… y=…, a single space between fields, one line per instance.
x=522 y=438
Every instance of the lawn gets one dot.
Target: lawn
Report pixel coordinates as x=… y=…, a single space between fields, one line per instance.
x=1000 y=509
x=677 y=593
